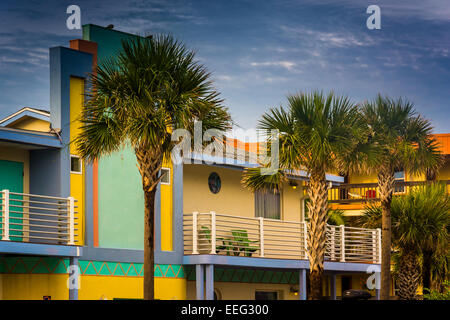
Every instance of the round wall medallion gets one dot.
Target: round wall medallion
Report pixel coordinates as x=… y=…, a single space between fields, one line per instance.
x=214 y=182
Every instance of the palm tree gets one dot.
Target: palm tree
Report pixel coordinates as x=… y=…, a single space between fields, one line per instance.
x=403 y=142
x=317 y=133
x=420 y=222
x=150 y=88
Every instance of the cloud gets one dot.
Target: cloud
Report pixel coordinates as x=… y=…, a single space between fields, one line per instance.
x=288 y=65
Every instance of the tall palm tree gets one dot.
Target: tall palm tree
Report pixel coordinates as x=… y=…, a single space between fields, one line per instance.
x=420 y=222
x=402 y=138
x=138 y=97
x=317 y=133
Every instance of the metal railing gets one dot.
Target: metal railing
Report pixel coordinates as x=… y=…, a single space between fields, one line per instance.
x=365 y=192
x=37 y=218
x=222 y=234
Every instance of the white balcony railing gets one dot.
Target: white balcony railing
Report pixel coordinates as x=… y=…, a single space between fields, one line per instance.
x=212 y=233
x=37 y=219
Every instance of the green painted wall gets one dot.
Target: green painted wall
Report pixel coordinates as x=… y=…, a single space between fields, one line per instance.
x=11 y=178
x=120 y=195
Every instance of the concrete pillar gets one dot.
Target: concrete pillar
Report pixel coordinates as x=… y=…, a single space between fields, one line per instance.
x=74 y=278
x=333 y=286
x=302 y=284
x=199 y=278
x=209 y=282
x=378 y=294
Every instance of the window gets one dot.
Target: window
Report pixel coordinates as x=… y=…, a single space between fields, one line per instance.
x=214 y=182
x=399 y=176
x=267 y=204
x=75 y=164
x=165 y=173
x=266 y=295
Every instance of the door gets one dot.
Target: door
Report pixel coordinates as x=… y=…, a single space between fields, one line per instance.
x=11 y=178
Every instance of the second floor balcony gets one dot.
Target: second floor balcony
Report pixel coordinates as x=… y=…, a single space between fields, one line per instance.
x=212 y=233
x=357 y=194
x=36 y=219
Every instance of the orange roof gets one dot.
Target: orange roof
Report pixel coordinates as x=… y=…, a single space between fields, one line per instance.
x=444 y=142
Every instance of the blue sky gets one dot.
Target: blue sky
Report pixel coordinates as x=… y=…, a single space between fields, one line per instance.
x=258 y=51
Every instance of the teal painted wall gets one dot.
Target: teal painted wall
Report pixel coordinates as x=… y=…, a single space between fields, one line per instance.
x=11 y=178
x=121 y=202
x=120 y=195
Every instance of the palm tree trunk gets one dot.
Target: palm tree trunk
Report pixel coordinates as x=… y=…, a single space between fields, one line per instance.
x=426 y=269
x=409 y=275
x=386 y=187
x=317 y=210
x=149 y=165
x=149 y=245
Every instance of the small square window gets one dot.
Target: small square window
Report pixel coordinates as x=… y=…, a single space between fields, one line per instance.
x=75 y=164
x=165 y=173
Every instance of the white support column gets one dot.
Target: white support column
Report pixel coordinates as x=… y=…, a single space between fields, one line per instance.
x=194 y=233
x=261 y=237
x=71 y=220
x=209 y=282
x=302 y=284
x=379 y=245
x=333 y=243
x=74 y=278
x=5 y=215
x=199 y=281
x=342 y=243
x=213 y=232
x=333 y=295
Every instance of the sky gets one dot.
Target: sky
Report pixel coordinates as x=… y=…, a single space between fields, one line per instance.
x=257 y=51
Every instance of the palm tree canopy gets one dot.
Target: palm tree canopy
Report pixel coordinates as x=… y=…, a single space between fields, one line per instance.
x=401 y=137
x=420 y=219
x=316 y=132
x=151 y=87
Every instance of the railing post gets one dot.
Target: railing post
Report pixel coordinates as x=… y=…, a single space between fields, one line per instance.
x=71 y=221
x=213 y=232
x=194 y=233
x=5 y=215
x=333 y=245
x=342 y=243
x=261 y=237
x=374 y=246
x=379 y=245
x=305 y=238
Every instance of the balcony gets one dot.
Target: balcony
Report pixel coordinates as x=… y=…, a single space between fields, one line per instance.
x=351 y=196
x=226 y=235
x=37 y=219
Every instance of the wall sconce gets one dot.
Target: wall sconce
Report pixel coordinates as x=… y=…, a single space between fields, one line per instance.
x=294 y=291
x=293 y=184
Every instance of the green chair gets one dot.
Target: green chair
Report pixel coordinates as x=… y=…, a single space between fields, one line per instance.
x=240 y=238
x=207 y=232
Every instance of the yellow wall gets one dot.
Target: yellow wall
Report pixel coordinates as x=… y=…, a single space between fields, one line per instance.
x=244 y=291
x=18 y=155
x=233 y=198
x=167 y=211
x=29 y=123
x=77 y=181
x=36 y=286
x=110 y=287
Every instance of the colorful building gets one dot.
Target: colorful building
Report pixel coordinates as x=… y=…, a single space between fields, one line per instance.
x=214 y=239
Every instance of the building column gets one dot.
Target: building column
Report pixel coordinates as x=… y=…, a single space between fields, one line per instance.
x=74 y=278
x=199 y=277
x=302 y=284
x=333 y=286
x=378 y=294
x=209 y=282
